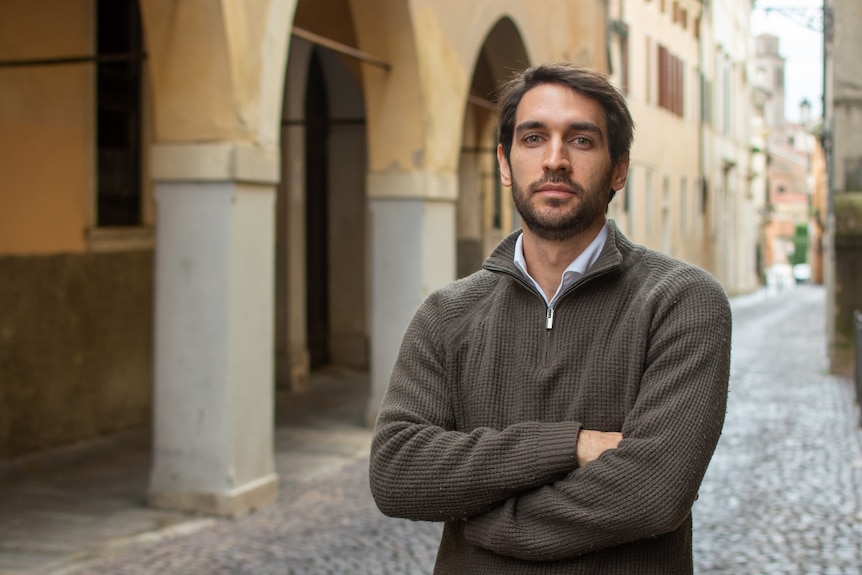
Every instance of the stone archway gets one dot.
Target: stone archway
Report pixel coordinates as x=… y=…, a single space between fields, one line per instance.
x=484 y=208
x=321 y=261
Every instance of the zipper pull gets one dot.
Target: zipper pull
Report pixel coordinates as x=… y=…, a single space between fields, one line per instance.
x=549 y=319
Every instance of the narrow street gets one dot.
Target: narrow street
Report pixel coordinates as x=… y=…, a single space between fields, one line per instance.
x=783 y=494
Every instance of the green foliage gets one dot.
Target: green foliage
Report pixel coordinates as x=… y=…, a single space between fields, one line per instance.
x=800 y=245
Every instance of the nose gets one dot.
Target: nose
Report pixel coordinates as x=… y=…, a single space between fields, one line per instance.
x=556 y=159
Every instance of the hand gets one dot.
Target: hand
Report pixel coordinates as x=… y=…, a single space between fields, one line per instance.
x=591 y=444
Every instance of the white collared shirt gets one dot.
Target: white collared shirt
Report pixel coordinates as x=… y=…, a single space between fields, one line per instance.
x=574 y=270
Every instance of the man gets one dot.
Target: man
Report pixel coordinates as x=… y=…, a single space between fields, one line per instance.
x=558 y=409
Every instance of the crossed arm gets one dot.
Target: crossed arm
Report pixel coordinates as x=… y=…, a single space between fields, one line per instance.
x=593 y=443
x=540 y=490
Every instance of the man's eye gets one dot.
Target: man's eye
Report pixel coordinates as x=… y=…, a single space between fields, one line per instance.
x=532 y=139
x=581 y=141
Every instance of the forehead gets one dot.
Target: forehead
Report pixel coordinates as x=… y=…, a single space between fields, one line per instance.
x=553 y=104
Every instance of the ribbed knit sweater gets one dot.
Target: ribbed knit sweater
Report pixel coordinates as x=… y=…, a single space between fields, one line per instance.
x=479 y=424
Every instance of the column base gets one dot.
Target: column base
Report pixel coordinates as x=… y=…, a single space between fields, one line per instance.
x=232 y=503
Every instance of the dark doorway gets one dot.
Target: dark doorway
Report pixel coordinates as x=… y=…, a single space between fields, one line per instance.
x=317 y=204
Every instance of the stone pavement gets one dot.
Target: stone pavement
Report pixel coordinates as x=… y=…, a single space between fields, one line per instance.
x=62 y=511
x=783 y=494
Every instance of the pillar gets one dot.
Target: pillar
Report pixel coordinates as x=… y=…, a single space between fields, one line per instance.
x=213 y=448
x=413 y=246
x=847 y=280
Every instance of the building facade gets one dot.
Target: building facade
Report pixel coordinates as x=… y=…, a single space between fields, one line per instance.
x=204 y=200
x=842 y=139
x=694 y=190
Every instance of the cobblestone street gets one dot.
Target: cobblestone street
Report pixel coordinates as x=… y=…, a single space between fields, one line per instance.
x=783 y=494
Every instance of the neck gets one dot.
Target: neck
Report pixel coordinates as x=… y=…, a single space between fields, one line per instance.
x=547 y=259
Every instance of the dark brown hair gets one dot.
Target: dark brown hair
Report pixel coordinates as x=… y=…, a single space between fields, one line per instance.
x=584 y=81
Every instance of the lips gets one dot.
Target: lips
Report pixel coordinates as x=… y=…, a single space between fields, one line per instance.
x=554 y=184
x=555 y=191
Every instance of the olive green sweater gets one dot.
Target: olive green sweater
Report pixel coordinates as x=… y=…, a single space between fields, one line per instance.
x=479 y=425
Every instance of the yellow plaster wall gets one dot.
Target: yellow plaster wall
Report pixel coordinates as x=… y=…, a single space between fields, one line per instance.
x=213 y=66
x=46 y=127
x=187 y=50
x=655 y=127
x=432 y=46
x=451 y=33
x=393 y=97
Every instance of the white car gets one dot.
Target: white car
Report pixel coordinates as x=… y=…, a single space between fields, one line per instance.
x=802 y=273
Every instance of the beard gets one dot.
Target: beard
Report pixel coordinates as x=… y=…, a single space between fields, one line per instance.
x=553 y=221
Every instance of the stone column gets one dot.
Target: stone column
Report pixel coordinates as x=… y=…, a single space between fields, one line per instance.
x=412 y=253
x=847 y=280
x=214 y=406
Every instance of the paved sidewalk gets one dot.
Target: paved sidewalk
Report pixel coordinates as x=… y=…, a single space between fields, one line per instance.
x=783 y=494
x=62 y=511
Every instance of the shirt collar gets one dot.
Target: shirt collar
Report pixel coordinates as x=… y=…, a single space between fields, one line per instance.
x=573 y=271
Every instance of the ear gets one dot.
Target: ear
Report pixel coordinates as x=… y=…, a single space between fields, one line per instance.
x=620 y=173
x=505 y=169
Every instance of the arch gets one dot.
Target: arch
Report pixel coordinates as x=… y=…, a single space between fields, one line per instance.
x=484 y=212
x=235 y=91
x=384 y=28
x=321 y=260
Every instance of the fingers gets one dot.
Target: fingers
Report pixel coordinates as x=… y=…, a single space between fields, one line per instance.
x=591 y=444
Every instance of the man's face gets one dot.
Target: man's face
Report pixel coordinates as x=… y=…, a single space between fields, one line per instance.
x=560 y=169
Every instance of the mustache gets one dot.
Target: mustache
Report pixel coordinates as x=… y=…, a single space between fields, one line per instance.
x=554 y=178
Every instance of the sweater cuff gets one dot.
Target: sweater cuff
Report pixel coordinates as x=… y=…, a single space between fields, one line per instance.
x=557 y=447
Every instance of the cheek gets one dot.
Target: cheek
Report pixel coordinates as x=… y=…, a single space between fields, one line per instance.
x=523 y=166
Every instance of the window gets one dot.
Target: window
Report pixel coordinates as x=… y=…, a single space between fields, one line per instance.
x=648 y=203
x=699 y=207
x=118 y=129
x=627 y=192
x=683 y=206
x=627 y=201
x=648 y=86
x=670 y=81
x=624 y=59
x=666 y=242
x=705 y=100
x=727 y=102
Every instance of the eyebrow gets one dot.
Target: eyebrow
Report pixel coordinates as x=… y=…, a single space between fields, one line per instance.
x=528 y=125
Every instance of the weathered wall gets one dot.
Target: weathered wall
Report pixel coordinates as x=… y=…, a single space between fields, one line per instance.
x=848 y=278
x=46 y=127
x=845 y=95
x=217 y=68
x=75 y=347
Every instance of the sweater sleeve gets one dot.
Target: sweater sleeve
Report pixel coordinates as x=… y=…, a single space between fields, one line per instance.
x=647 y=485
x=422 y=469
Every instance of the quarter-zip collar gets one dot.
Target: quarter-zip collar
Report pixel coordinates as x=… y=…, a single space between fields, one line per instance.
x=573 y=272
x=502 y=259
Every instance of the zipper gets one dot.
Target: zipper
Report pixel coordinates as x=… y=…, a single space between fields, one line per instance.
x=549 y=325
x=549 y=315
